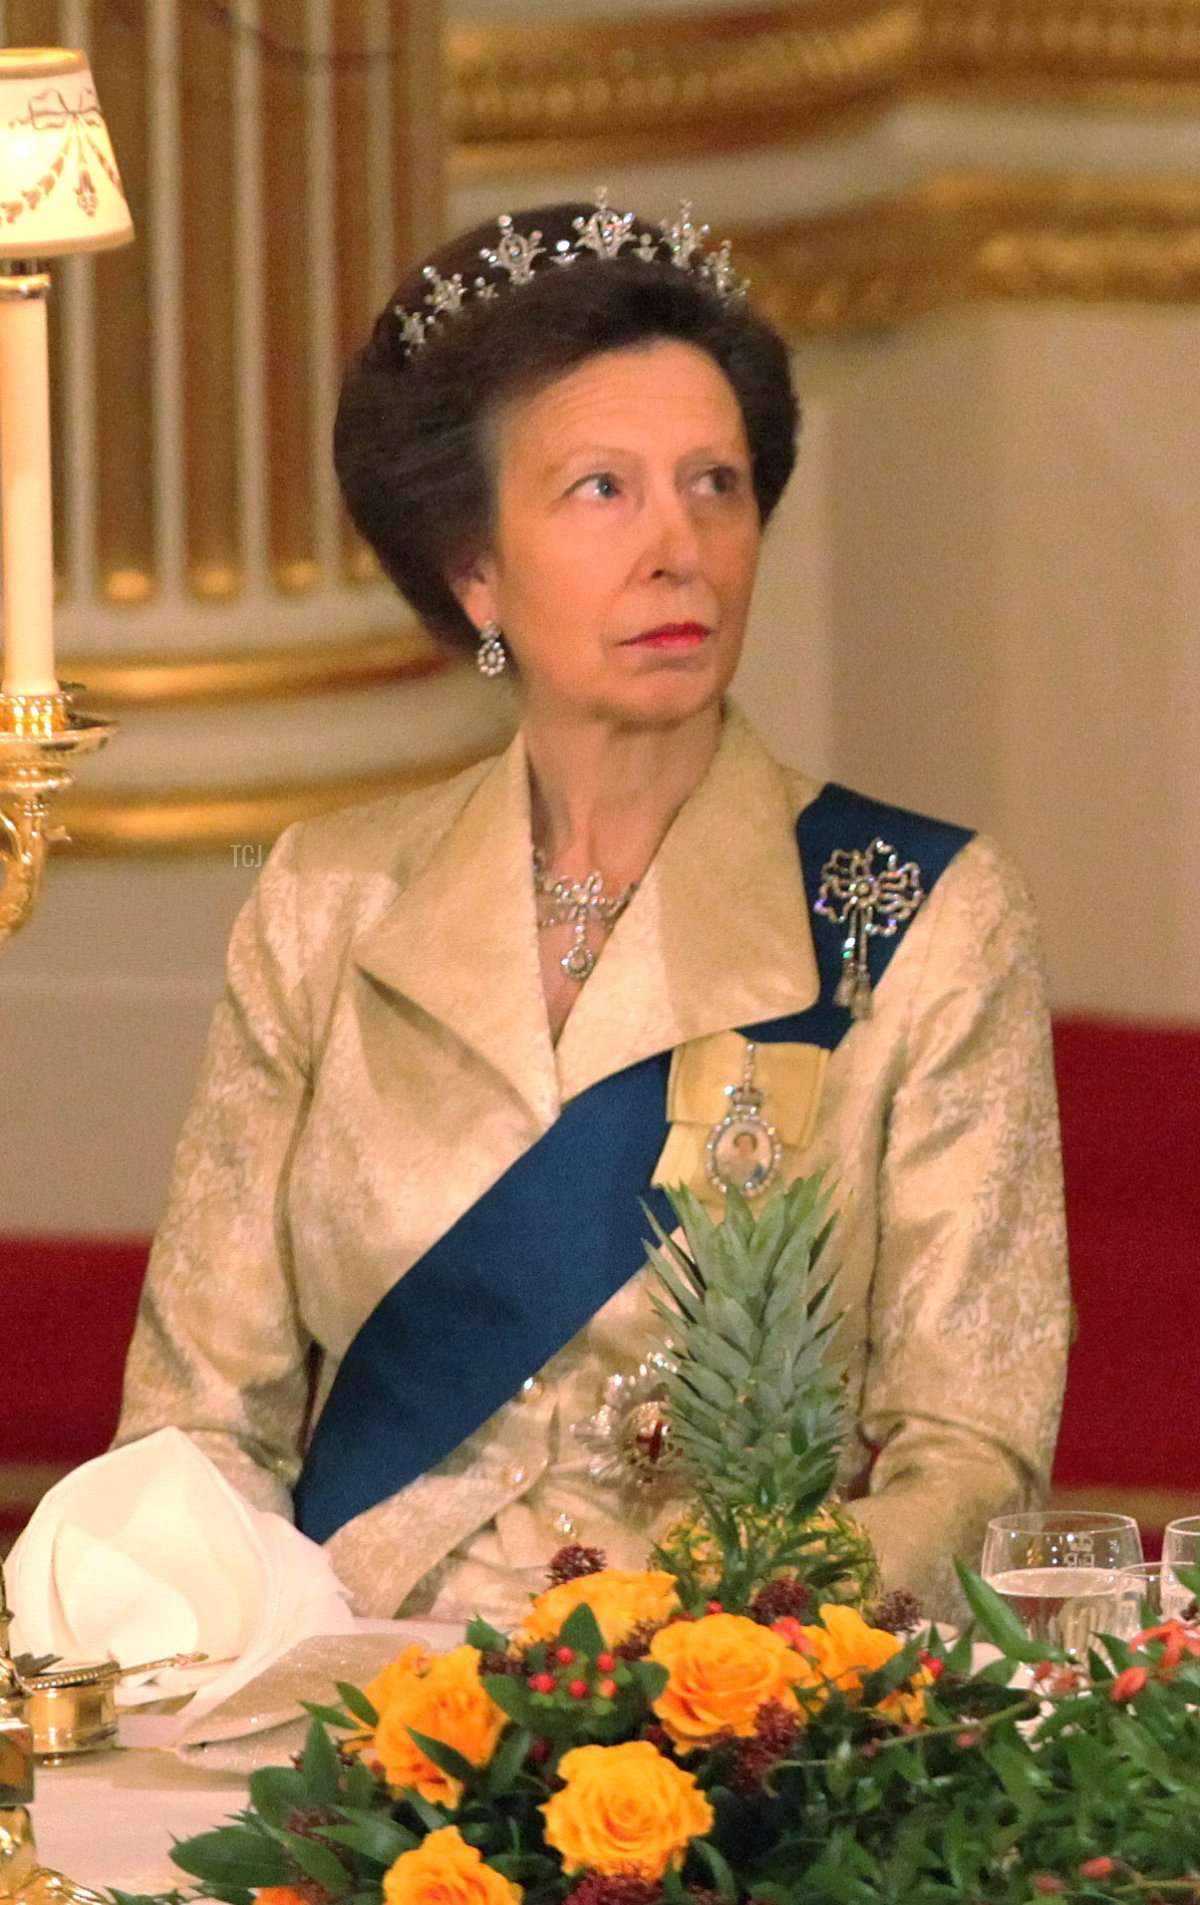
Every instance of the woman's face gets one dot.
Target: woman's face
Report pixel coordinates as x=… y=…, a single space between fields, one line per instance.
x=626 y=537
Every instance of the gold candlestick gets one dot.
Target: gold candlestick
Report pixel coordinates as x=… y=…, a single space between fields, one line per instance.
x=40 y=736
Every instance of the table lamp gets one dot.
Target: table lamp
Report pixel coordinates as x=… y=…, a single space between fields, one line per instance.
x=60 y=191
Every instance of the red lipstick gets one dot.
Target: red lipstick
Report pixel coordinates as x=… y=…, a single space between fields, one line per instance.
x=671 y=635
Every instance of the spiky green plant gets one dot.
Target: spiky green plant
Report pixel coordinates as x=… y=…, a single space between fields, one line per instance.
x=756 y=1405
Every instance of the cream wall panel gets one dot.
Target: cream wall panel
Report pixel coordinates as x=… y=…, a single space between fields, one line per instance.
x=1100 y=588
x=983 y=599
x=376 y=731
x=105 y=1000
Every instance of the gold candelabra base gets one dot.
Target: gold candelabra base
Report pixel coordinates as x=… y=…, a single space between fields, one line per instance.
x=40 y=738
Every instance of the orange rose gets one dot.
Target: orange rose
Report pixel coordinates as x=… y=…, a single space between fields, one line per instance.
x=844 y=1649
x=722 y=1669
x=620 y=1602
x=443 y=1696
x=280 y=1895
x=445 y=1870
x=624 y=1809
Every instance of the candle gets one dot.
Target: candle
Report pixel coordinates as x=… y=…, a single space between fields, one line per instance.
x=28 y=558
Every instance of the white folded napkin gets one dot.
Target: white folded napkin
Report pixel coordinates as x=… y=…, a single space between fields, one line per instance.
x=148 y=1551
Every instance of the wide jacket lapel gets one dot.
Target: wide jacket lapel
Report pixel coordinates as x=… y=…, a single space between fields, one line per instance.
x=461 y=941
x=717 y=934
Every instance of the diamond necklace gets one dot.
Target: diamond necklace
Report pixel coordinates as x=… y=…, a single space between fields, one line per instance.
x=576 y=903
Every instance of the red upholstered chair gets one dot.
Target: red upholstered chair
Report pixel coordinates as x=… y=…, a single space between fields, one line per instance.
x=68 y=1311
x=1130 y=1101
x=1130 y=1439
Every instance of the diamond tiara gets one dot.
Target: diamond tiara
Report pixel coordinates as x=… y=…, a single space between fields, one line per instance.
x=606 y=234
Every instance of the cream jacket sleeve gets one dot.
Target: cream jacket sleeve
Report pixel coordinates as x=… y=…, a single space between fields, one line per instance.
x=219 y=1349
x=968 y=1310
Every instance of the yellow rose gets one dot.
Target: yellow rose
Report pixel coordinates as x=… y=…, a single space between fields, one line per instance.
x=845 y=1649
x=722 y=1669
x=443 y=1696
x=619 y=1601
x=624 y=1809
x=445 y=1870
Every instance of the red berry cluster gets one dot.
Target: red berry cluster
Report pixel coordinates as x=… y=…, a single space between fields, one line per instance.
x=576 y=1675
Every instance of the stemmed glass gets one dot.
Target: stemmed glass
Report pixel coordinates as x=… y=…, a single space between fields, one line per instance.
x=1180 y=1549
x=1068 y=1574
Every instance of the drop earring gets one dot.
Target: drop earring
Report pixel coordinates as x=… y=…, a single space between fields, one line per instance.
x=491 y=657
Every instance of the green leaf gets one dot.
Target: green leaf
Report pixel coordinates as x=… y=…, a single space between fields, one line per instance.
x=722 y=1878
x=447 y=1758
x=675 y=1892
x=359 y=1786
x=357 y=1703
x=507 y=1761
x=884 y=1680
x=329 y=1716
x=277 y=1792
x=432 y=1817
x=485 y=1637
x=581 y=1630
x=320 y=1765
x=233 y=1855
x=996 y=1618
x=511 y=1696
x=1013 y=1766
x=318 y=1861
x=1188 y=1578
x=376 y=1837
x=651 y=1677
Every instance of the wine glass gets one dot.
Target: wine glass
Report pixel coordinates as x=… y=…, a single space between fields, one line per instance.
x=1067 y=1574
x=1180 y=1549
x=1148 y=1576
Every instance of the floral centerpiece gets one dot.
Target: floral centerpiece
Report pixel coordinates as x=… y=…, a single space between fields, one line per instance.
x=739 y=1722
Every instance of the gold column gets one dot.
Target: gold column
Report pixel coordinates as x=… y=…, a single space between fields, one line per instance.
x=356 y=296
x=124 y=434
x=210 y=355
x=418 y=144
x=286 y=268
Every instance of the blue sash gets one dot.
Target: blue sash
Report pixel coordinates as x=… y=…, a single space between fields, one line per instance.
x=521 y=1273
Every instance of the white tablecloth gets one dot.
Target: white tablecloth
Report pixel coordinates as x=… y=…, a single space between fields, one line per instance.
x=110 y=1819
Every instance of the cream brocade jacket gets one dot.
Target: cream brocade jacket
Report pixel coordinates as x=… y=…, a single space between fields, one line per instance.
x=382 y=1055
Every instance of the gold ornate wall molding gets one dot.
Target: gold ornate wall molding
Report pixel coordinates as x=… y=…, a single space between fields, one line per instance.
x=138 y=679
x=1147 y=51
x=961 y=238
x=691 y=85
x=650 y=87
x=183 y=820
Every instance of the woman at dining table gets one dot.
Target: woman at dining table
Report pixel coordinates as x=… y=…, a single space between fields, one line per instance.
x=469 y=1030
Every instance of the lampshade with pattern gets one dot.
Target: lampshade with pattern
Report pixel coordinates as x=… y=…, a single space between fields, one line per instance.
x=60 y=189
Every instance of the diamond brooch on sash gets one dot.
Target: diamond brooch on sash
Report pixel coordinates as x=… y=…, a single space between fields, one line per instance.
x=743 y=1150
x=870 y=896
x=629 y=1437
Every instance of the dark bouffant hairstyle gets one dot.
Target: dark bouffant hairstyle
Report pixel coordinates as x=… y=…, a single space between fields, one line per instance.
x=411 y=441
